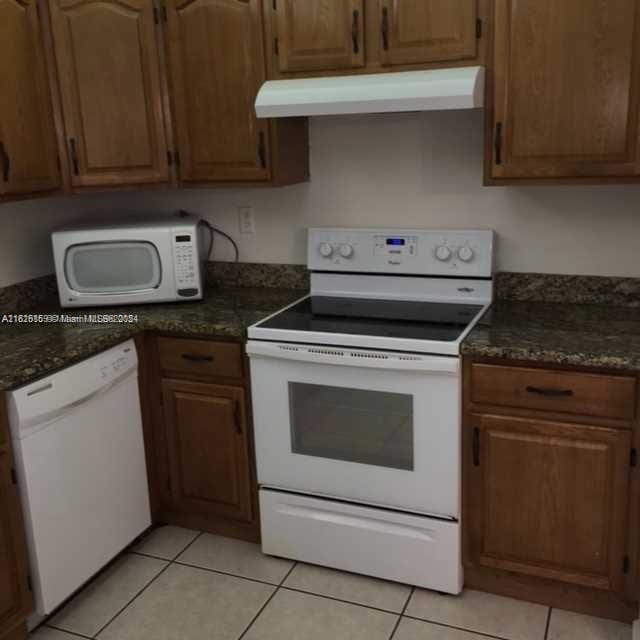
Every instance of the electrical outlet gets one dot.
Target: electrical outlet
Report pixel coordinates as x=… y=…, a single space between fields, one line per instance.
x=247 y=221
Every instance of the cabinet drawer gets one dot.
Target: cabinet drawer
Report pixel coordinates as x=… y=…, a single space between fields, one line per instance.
x=558 y=391
x=203 y=357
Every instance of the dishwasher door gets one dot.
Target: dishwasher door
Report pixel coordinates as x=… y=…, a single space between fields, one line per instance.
x=81 y=472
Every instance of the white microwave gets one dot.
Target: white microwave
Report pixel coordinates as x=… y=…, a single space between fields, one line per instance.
x=153 y=260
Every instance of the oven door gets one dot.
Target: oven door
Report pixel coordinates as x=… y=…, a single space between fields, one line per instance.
x=367 y=426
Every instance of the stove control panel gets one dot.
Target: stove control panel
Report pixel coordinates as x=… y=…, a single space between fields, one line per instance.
x=402 y=251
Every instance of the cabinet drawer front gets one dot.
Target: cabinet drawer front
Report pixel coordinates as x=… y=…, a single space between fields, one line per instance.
x=558 y=391
x=203 y=357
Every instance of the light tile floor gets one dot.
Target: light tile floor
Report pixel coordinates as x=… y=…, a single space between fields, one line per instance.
x=179 y=584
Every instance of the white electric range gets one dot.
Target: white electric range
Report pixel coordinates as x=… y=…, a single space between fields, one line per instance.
x=357 y=402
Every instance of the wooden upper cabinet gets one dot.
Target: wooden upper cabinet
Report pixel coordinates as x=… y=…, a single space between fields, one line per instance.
x=548 y=500
x=216 y=59
x=15 y=598
x=109 y=77
x=422 y=31
x=28 y=154
x=566 y=79
x=208 y=449
x=319 y=35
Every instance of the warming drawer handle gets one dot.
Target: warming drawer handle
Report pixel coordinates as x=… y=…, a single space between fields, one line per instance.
x=551 y=393
x=194 y=357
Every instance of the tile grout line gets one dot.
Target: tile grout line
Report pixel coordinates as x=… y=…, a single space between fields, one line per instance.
x=334 y=599
x=139 y=593
x=146 y=586
x=225 y=573
x=197 y=537
x=71 y=633
x=546 y=630
x=449 y=626
x=269 y=599
x=278 y=587
x=285 y=587
x=406 y=604
x=281 y=585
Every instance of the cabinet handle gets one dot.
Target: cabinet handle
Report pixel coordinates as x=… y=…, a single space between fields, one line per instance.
x=553 y=393
x=476 y=447
x=192 y=357
x=262 y=153
x=6 y=163
x=355 y=31
x=237 y=417
x=74 y=156
x=384 y=26
x=498 y=143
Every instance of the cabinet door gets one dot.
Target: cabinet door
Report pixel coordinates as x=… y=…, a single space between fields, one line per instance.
x=208 y=448
x=109 y=75
x=319 y=35
x=28 y=153
x=15 y=598
x=419 y=31
x=566 y=88
x=216 y=57
x=547 y=499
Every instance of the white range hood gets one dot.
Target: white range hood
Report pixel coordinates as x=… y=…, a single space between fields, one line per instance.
x=433 y=90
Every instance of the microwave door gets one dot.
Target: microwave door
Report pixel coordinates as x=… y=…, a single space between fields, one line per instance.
x=99 y=268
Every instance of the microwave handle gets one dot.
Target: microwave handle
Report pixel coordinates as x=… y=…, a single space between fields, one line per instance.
x=354 y=357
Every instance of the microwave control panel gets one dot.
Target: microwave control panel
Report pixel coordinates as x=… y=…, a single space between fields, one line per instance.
x=186 y=267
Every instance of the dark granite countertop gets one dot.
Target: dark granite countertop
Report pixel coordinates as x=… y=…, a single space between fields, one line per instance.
x=589 y=335
x=30 y=351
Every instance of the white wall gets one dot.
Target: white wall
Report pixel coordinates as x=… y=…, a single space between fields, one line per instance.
x=422 y=170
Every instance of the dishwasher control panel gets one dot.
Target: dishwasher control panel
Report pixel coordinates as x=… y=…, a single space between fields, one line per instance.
x=49 y=397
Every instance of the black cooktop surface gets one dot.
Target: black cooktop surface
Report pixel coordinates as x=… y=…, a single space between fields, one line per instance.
x=384 y=318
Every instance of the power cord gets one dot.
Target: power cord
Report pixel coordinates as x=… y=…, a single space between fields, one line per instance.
x=213 y=230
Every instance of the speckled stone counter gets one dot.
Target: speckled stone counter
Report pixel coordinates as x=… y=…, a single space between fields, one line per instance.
x=28 y=352
x=570 y=320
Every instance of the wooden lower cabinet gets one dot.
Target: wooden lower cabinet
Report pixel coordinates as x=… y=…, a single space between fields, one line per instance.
x=548 y=494
x=549 y=499
x=15 y=596
x=202 y=461
x=208 y=450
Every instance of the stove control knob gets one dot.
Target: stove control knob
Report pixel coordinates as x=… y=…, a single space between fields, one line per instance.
x=346 y=250
x=326 y=250
x=465 y=254
x=443 y=253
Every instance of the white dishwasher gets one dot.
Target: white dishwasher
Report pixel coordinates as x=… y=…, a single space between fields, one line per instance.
x=79 y=450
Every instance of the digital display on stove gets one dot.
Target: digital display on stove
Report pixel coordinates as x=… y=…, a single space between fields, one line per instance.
x=396 y=242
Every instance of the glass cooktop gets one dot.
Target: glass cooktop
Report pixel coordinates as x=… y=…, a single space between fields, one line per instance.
x=381 y=318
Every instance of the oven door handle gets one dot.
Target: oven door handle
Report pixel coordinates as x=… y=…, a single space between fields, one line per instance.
x=354 y=357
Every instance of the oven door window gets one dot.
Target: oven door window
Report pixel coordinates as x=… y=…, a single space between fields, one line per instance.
x=113 y=267
x=353 y=425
